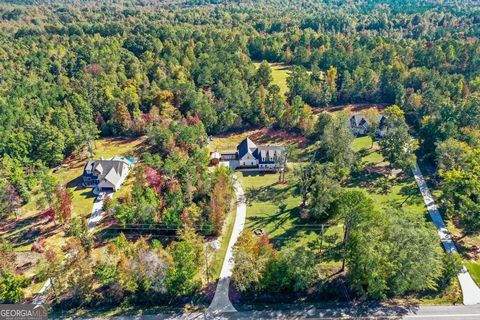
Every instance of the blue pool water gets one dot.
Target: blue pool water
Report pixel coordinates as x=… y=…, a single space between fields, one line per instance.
x=129 y=159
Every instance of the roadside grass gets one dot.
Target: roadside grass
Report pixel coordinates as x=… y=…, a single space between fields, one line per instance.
x=280 y=73
x=448 y=296
x=468 y=243
x=474 y=270
x=218 y=257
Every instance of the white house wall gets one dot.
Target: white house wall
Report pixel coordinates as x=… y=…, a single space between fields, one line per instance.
x=248 y=160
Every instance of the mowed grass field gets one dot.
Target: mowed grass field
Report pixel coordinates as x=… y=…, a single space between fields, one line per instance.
x=30 y=225
x=384 y=190
x=280 y=73
x=274 y=208
x=402 y=192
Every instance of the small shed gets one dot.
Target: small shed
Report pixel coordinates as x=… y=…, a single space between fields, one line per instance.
x=215 y=158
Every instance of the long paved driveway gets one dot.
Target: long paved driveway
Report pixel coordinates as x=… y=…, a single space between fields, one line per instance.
x=221 y=302
x=470 y=290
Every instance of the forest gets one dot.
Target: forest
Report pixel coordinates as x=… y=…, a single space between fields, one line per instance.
x=178 y=72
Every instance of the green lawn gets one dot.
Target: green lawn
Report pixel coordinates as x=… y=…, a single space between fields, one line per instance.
x=280 y=73
x=474 y=269
x=272 y=207
x=275 y=209
x=384 y=190
x=216 y=261
x=31 y=225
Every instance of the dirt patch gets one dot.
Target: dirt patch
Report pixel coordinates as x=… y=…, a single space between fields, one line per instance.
x=355 y=107
x=26 y=261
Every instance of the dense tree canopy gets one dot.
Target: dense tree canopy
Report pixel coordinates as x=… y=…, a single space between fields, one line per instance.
x=179 y=71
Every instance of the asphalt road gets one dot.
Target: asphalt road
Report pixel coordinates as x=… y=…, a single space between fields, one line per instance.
x=459 y=312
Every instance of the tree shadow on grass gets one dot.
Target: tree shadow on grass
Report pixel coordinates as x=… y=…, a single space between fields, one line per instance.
x=412 y=195
x=25 y=231
x=278 y=219
x=271 y=194
x=365 y=178
x=30 y=236
x=76 y=184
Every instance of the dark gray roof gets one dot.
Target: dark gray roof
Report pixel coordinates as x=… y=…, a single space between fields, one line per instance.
x=245 y=147
x=105 y=166
x=358 y=120
x=110 y=170
x=248 y=145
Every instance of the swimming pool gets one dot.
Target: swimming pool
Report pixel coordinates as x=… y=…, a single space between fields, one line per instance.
x=129 y=159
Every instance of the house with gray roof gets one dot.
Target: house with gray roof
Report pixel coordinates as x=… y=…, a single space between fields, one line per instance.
x=252 y=156
x=107 y=175
x=359 y=125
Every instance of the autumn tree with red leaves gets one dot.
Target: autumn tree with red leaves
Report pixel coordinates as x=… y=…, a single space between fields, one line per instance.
x=154 y=179
x=63 y=204
x=220 y=200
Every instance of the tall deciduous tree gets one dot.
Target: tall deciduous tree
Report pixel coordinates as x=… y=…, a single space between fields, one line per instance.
x=335 y=145
x=397 y=146
x=323 y=193
x=63 y=204
x=251 y=256
x=121 y=118
x=352 y=207
x=461 y=190
x=183 y=277
x=263 y=76
x=392 y=252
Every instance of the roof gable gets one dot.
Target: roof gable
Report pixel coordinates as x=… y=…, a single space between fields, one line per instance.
x=104 y=167
x=113 y=176
x=246 y=146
